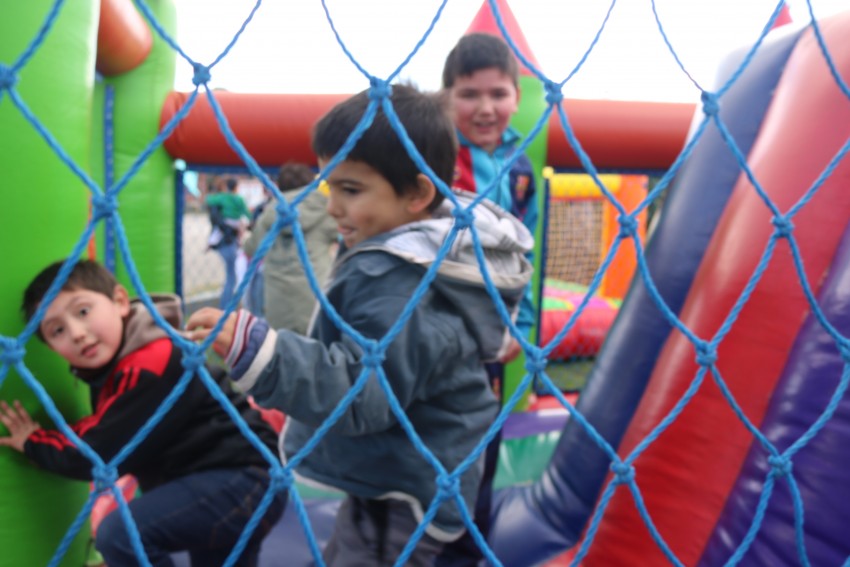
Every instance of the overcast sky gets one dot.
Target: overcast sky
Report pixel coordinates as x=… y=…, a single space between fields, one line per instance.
x=290 y=48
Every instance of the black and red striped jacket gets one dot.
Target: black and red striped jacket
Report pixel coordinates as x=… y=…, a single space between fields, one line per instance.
x=195 y=434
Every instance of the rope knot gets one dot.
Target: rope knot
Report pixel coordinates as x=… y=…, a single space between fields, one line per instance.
x=706 y=354
x=784 y=226
x=628 y=226
x=8 y=77
x=623 y=473
x=193 y=359
x=373 y=356
x=781 y=465
x=286 y=215
x=463 y=218
x=379 y=89
x=710 y=104
x=103 y=205
x=553 y=93
x=13 y=352
x=201 y=75
x=535 y=362
x=281 y=479
x=104 y=477
x=447 y=486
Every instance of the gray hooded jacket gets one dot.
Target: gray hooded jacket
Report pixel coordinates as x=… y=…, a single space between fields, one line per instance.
x=434 y=364
x=288 y=299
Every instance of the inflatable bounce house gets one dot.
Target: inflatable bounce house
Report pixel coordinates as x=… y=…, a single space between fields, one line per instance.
x=713 y=424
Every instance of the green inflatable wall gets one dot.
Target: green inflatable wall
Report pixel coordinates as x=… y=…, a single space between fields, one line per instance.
x=147 y=202
x=532 y=106
x=44 y=214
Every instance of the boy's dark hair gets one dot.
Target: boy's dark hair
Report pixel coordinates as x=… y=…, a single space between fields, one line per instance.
x=424 y=117
x=477 y=51
x=86 y=274
x=293 y=175
x=231 y=184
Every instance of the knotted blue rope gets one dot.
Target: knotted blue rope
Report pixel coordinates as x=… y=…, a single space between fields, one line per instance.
x=628 y=226
x=784 y=226
x=710 y=104
x=13 y=351
x=201 y=75
x=554 y=96
x=448 y=486
x=8 y=77
x=105 y=477
x=624 y=473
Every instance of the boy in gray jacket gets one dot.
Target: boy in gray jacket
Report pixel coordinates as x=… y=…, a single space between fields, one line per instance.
x=393 y=221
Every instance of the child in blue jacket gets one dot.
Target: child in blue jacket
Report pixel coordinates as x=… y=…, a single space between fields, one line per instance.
x=393 y=221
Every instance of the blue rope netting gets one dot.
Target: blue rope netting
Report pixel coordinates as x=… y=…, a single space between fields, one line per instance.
x=105 y=209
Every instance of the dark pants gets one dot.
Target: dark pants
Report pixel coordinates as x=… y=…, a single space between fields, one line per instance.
x=374 y=533
x=203 y=513
x=464 y=552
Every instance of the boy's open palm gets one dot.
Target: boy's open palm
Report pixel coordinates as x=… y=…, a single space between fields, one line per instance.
x=19 y=423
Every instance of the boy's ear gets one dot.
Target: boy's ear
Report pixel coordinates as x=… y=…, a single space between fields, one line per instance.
x=121 y=299
x=424 y=195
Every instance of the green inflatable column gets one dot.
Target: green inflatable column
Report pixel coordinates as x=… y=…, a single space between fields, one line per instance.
x=531 y=107
x=147 y=202
x=44 y=213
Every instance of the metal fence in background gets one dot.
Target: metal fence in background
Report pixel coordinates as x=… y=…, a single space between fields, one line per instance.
x=202 y=268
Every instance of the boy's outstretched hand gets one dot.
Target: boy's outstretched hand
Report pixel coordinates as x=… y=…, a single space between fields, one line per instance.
x=202 y=321
x=19 y=423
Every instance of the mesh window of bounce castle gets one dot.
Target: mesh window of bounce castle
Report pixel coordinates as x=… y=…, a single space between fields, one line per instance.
x=582 y=224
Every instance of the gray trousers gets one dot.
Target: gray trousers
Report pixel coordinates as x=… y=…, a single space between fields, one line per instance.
x=373 y=533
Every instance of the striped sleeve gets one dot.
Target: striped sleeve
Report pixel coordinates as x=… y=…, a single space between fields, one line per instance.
x=246 y=350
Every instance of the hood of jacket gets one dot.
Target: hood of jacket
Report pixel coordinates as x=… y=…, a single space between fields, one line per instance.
x=504 y=243
x=140 y=328
x=311 y=210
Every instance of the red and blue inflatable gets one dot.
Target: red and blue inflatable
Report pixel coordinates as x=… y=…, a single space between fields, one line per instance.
x=584 y=339
x=786 y=367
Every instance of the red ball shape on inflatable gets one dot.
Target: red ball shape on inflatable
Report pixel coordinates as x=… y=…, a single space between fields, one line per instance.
x=562 y=299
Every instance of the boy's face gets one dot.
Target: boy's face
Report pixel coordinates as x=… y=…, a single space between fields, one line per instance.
x=482 y=105
x=86 y=327
x=364 y=204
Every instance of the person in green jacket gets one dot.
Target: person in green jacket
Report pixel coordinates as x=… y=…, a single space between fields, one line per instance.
x=287 y=298
x=228 y=223
x=231 y=203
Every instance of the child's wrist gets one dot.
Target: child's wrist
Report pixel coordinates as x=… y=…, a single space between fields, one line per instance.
x=248 y=336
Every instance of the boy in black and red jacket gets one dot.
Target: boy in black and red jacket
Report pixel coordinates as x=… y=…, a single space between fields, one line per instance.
x=201 y=478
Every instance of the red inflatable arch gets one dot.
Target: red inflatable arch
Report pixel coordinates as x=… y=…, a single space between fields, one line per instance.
x=275 y=128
